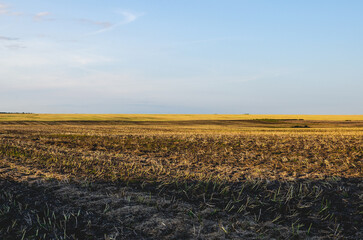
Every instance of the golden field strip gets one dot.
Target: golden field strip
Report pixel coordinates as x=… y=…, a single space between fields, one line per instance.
x=181 y=176
x=170 y=117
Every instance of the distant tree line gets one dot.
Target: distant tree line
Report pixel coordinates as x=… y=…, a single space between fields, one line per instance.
x=15 y=113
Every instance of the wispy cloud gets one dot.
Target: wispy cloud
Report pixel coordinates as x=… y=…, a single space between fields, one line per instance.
x=97 y=23
x=202 y=41
x=42 y=16
x=15 y=46
x=6 y=10
x=8 y=38
x=82 y=60
x=128 y=17
x=3 y=9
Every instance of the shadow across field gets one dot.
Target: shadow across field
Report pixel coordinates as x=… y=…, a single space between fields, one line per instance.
x=330 y=208
x=248 y=209
x=38 y=212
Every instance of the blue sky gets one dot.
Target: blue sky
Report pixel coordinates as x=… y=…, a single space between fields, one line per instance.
x=227 y=57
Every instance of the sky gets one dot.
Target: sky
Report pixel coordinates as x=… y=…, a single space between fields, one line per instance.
x=182 y=56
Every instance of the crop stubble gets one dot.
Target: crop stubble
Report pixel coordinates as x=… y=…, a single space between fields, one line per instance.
x=196 y=179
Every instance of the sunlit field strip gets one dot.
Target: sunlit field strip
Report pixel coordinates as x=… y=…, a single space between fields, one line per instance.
x=169 y=117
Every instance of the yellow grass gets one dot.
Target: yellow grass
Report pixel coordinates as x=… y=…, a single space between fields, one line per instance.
x=168 y=117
